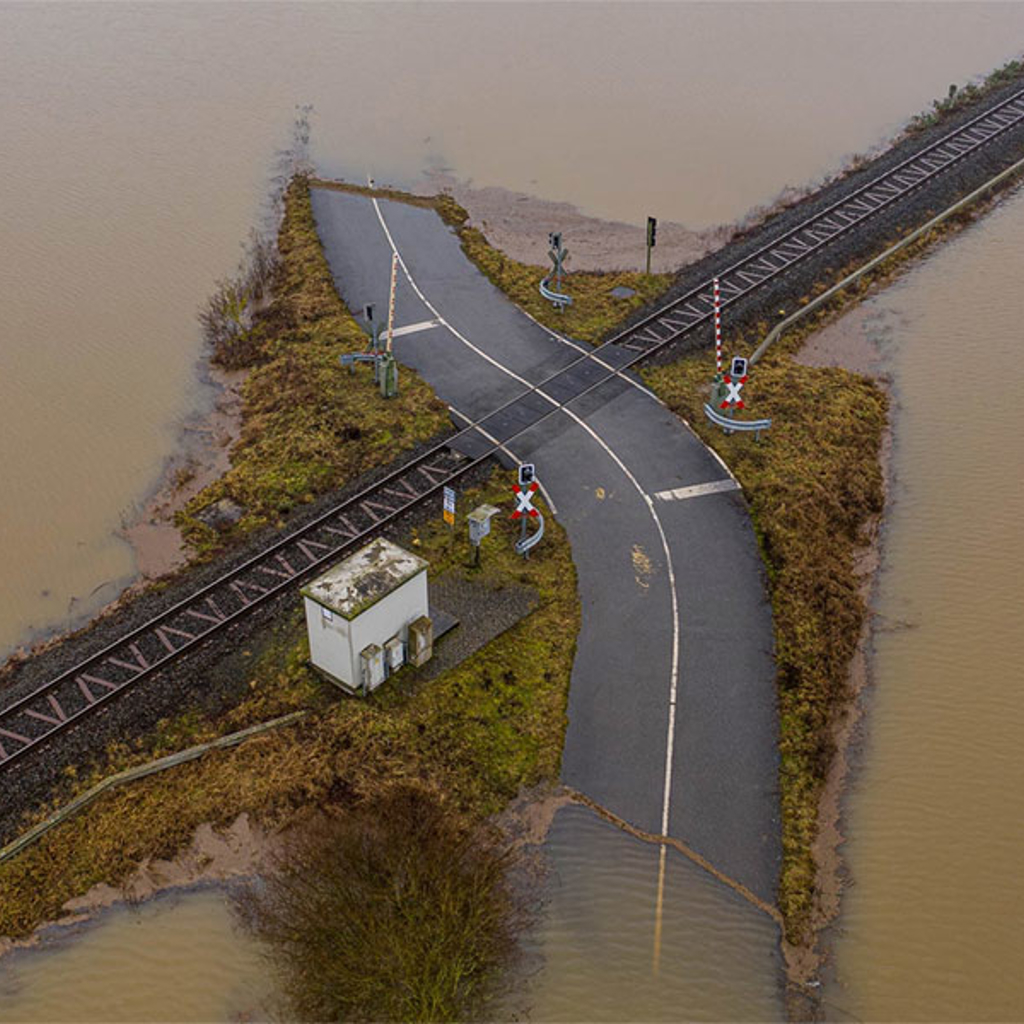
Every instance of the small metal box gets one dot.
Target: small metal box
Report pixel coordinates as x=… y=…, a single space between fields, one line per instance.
x=371 y=663
x=394 y=654
x=421 y=640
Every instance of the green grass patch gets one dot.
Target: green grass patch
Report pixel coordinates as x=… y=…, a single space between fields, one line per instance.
x=308 y=425
x=476 y=735
x=960 y=97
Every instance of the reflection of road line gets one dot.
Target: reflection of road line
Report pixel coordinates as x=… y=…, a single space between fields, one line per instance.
x=670 y=570
x=503 y=448
x=698 y=490
x=658 y=910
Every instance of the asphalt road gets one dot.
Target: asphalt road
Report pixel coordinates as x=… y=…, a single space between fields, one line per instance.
x=672 y=717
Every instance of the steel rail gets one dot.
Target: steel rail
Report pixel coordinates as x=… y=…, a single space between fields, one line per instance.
x=731 y=292
x=160 y=626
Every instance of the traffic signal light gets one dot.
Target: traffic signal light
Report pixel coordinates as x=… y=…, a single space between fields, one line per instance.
x=652 y=230
x=555 y=240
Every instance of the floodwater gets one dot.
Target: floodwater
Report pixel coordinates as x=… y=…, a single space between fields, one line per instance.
x=605 y=958
x=931 y=928
x=178 y=957
x=138 y=142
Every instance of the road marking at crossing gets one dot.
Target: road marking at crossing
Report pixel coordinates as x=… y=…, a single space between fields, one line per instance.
x=503 y=448
x=423 y=325
x=698 y=490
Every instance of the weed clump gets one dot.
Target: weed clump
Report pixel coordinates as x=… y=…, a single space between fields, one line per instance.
x=397 y=910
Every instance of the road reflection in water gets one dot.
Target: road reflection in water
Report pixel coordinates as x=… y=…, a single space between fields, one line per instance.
x=594 y=952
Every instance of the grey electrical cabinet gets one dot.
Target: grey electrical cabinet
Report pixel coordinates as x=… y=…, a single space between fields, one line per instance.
x=371 y=664
x=421 y=640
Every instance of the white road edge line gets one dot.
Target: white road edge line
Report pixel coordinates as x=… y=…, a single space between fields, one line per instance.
x=508 y=451
x=698 y=490
x=674 y=678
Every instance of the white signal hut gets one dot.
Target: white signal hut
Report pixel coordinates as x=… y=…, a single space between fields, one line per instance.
x=367 y=615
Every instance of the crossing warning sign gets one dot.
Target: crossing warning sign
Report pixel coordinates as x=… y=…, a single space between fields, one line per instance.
x=524 y=497
x=732 y=395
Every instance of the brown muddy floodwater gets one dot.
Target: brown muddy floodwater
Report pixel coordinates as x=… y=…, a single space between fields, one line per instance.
x=603 y=957
x=178 y=958
x=138 y=143
x=931 y=927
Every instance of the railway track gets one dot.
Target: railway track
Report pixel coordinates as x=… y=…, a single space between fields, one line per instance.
x=31 y=721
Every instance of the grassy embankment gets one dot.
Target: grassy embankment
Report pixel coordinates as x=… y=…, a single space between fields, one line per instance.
x=474 y=736
x=960 y=97
x=308 y=426
x=470 y=740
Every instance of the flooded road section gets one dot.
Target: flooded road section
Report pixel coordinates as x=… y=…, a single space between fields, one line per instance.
x=603 y=956
x=174 y=958
x=931 y=927
x=138 y=141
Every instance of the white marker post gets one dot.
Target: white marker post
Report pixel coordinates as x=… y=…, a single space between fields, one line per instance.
x=718 y=328
x=391 y=300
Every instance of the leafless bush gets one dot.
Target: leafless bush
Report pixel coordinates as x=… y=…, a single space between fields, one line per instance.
x=393 y=911
x=229 y=319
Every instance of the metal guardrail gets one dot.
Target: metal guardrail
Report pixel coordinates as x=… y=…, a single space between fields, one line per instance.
x=825 y=296
x=557 y=298
x=526 y=544
x=728 y=425
x=139 y=772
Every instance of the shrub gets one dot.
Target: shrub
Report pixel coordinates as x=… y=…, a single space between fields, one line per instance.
x=393 y=911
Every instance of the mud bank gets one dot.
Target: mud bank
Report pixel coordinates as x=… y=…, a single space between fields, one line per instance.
x=518 y=225
x=244 y=850
x=240 y=851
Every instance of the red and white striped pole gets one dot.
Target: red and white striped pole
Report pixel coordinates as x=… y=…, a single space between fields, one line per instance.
x=718 y=328
x=391 y=299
